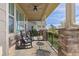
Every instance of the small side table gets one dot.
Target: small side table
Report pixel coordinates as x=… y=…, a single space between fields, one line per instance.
x=40 y=44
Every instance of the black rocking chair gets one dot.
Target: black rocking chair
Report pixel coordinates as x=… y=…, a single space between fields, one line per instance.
x=24 y=42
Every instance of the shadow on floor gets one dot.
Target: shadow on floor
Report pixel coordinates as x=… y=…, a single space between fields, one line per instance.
x=42 y=52
x=23 y=47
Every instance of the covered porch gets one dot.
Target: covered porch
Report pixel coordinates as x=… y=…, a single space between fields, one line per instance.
x=34 y=18
x=30 y=18
x=22 y=18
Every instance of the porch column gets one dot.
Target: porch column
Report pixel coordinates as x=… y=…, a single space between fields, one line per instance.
x=42 y=24
x=43 y=27
x=69 y=37
x=3 y=29
x=26 y=24
x=70 y=15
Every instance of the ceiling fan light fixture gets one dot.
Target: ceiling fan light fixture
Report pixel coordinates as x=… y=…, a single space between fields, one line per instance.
x=35 y=9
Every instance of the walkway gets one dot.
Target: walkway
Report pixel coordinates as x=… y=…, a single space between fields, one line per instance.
x=45 y=50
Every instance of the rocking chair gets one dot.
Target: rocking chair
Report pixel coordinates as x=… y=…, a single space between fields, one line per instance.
x=25 y=41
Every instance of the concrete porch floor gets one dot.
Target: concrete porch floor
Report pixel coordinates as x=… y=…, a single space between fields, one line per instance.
x=45 y=50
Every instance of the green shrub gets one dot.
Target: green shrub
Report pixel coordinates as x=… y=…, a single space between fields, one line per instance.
x=53 y=39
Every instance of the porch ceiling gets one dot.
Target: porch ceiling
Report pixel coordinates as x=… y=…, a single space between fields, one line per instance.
x=43 y=10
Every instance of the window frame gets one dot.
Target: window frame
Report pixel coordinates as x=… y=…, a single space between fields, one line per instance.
x=12 y=16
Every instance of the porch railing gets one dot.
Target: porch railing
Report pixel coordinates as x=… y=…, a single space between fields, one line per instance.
x=53 y=39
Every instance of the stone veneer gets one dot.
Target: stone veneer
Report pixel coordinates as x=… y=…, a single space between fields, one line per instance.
x=69 y=42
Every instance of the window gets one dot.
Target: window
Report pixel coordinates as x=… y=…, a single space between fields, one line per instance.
x=11 y=24
x=11 y=9
x=19 y=21
x=11 y=18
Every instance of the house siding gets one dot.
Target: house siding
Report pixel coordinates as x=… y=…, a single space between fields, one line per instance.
x=2 y=28
x=12 y=35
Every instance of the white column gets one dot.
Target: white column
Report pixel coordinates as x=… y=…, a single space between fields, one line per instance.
x=3 y=28
x=70 y=14
x=26 y=22
x=25 y=25
x=6 y=45
x=43 y=22
x=15 y=22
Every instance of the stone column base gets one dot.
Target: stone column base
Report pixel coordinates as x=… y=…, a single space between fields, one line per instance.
x=69 y=42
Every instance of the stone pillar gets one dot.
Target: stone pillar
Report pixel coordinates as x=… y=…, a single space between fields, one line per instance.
x=69 y=36
x=69 y=42
x=70 y=15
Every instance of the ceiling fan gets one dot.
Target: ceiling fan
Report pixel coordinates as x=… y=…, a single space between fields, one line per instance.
x=35 y=9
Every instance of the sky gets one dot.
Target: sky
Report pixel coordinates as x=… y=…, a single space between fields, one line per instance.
x=58 y=15
x=77 y=13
